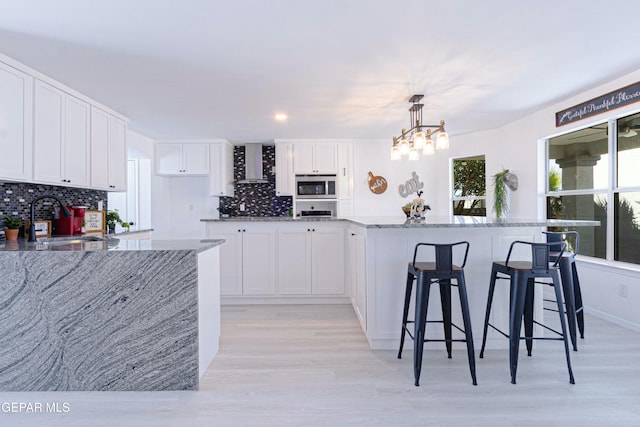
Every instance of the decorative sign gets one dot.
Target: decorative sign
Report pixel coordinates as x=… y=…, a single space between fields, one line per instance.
x=43 y=228
x=610 y=101
x=411 y=186
x=94 y=221
x=377 y=184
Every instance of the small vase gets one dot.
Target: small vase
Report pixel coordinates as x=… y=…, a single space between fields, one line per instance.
x=11 y=233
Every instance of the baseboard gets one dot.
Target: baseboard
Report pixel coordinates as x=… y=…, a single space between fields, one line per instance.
x=283 y=300
x=613 y=319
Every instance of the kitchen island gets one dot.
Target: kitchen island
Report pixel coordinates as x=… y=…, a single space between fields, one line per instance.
x=108 y=314
x=373 y=263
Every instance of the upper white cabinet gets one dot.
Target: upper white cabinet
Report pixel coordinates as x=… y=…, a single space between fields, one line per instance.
x=320 y=158
x=285 y=182
x=61 y=137
x=345 y=171
x=181 y=159
x=221 y=170
x=108 y=151
x=16 y=104
x=117 y=154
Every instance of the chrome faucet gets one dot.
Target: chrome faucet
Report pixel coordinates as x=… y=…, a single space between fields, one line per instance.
x=32 y=214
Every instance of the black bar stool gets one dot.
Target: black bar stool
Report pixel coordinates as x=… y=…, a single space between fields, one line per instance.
x=522 y=275
x=442 y=271
x=569 y=276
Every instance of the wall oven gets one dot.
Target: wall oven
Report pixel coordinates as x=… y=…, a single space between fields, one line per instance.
x=315 y=186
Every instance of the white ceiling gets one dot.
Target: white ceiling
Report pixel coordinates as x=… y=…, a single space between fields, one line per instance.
x=198 y=69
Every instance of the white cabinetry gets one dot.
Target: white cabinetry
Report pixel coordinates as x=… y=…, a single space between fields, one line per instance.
x=320 y=158
x=311 y=260
x=247 y=258
x=221 y=170
x=61 y=137
x=16 y=104
x=356 y=260
x=285 y=185
x=181 y=159
x=345 y=180
x=108 y=151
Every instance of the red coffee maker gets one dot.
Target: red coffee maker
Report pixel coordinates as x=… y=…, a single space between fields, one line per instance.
x=73 y=224
x=78 y=219
x=64 y=225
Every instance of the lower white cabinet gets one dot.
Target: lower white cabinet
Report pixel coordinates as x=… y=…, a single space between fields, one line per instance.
x=280 y=259
x=311 y=260
x=247 y=258
x=356 y=260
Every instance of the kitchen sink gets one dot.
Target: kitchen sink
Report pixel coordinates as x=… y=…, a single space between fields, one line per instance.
x=71 y=239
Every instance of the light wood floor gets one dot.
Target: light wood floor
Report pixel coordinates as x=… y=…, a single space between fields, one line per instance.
x=311 y=366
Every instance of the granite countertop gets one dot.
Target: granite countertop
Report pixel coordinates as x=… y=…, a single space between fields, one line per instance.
x=428 y=222
x=125 y=233
x=270 y=219
x=108 y=244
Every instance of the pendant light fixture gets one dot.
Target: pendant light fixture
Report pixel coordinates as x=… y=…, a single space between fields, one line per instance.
x=419 y=138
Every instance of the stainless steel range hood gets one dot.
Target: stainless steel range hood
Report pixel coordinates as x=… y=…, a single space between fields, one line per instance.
x=253 y=173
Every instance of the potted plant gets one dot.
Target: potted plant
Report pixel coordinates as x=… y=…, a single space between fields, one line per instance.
x=113 y=219
x=12 y=227
x=501 y=182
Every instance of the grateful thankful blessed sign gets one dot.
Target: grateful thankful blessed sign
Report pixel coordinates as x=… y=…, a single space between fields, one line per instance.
x=610 y=101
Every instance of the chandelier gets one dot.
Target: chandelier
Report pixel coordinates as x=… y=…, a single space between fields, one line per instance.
x=419 y=138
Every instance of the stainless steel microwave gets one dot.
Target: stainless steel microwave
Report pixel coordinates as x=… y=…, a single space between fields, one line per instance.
x=315 y=186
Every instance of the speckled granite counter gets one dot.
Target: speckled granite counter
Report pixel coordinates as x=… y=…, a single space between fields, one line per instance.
x=428 y=222
x=107 y=315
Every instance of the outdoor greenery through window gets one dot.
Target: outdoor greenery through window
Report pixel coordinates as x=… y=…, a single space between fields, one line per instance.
x=592 y=175
x=469 y=186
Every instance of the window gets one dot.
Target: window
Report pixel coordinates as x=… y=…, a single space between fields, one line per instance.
x=592 y=174
x=469 y=186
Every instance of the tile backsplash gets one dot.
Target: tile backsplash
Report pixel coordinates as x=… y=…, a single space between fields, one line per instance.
x=258 y=199
x=16 y=197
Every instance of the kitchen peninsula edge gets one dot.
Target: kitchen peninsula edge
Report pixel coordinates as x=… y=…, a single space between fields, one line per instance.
x=377 y=250
x=108 y=315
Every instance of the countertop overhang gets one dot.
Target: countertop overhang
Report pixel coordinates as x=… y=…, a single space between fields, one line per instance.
x=428 y=222
x=109 y=244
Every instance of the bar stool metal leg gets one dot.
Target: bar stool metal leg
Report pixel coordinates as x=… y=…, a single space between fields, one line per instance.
x=577 y=294
x=528 y=315
x=422 y=301
x=557 y=287
x=515 y=320
x=445 y=302
x=492 y=286
x=466 y=319
x=569 y=298
x=405 y=313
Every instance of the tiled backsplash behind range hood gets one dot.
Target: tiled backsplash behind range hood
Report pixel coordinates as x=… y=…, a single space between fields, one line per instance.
x=259 y=198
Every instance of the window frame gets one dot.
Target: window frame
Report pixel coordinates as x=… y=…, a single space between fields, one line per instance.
x=612 y=183
x=453 y=198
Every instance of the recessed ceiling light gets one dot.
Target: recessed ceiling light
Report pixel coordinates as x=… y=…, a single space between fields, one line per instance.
x=281 y=117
